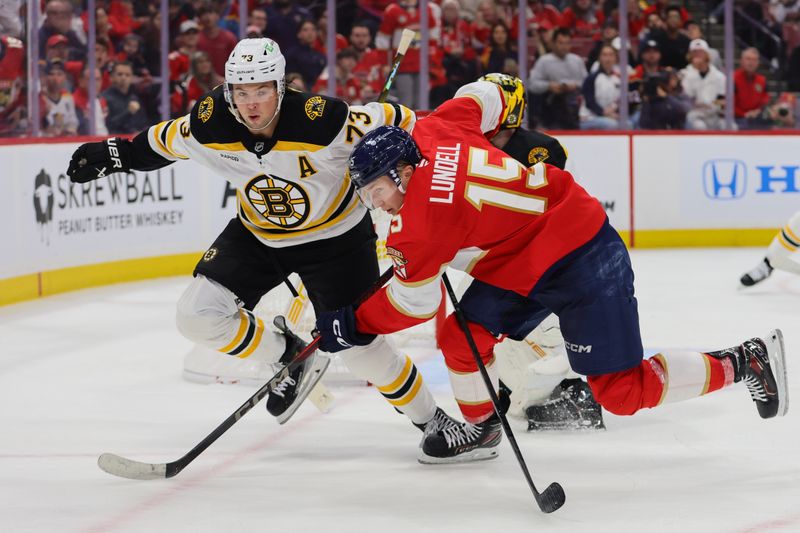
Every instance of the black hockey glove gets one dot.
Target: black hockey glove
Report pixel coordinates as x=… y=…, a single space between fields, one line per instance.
x=99 y=159
x=338 y=332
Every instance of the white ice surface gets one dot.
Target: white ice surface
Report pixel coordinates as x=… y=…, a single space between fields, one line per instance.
x=99 y=371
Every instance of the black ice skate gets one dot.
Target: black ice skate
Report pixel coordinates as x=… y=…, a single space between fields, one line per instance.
x=761 y=364
x=571 y=406
x=757 y=275
x=287 y=397
x=462 y=442
x=440 y=420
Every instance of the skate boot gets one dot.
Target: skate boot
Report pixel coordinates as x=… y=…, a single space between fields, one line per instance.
x=761 y=364
x=440 y=420
x=286 y=398
x=757 y=274
x=571 y=406
x=462 y=442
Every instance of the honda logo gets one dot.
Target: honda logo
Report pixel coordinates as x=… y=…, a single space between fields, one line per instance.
x=724 y=179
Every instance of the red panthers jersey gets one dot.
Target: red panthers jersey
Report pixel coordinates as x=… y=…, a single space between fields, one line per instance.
x=472 y=207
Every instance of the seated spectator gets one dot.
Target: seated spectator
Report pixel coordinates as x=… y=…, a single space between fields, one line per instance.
x=81 y=97
x=10 y=19
x=650 y=61
x=215 y=41
x=653 y=26
x=661 y=7
x=201 y=80
x=662 y=106
x=750 y=93
x=556 y=79
x=302 y=57
x=132 y=52
x=13 y=97
x=285 y=18
x=782 y=113
x=360 y=38
x=672 y=42
x=258 y=20
x=295 y=81
x=540 y=17
x=704 y=84
x=121 y=19
x=500 y=49
x=347 y=86
x=458 y=55
x=58 y=107
x=125 y=113
x=321 y=42
x=583 y=18
x=486 y=16
x=58 y=20
x=601 y=92
x=693 y=31
x=637 y=19
x=396 y=18
x=180 y=59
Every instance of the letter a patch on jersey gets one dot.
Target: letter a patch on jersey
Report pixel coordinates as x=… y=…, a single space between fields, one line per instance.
x=399 y=261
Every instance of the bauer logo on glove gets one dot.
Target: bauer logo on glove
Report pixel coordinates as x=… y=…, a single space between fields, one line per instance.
x=97 y=160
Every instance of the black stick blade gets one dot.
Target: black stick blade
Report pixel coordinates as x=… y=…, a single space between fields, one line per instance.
x=552 y=498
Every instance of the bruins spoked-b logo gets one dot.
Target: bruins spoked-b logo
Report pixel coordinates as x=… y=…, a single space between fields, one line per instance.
x=538 y=154
x=315 y=106
x=205 y=109
x=282 y=203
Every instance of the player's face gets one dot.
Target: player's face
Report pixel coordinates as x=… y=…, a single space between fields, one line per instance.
x=256 y=102
x=382 y=194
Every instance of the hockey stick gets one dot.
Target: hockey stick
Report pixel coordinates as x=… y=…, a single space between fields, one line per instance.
x=405 y=40
x=553 y=496
x=128 y=468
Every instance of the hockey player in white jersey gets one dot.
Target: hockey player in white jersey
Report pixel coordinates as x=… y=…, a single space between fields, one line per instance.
x=286 y=153
x=779 y=254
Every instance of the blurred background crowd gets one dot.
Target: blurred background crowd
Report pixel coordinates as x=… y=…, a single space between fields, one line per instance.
x=675 y=73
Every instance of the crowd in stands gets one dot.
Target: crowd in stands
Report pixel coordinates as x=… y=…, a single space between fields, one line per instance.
x=675 y=77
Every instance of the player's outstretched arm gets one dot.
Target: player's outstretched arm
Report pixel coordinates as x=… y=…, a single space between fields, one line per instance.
x=96 y=160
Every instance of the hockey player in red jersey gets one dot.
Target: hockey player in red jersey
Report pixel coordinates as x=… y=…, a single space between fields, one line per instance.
x=536 y=242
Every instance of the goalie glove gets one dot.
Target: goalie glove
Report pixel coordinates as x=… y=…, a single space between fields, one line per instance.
x=96 y=160
x=337 y=330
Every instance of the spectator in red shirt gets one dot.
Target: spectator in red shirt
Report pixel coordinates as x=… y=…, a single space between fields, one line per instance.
x=659 y=7
x=12 y=89
x=750 y=92
x=347 y=86
x=485 y=17
x=397 y=17
x=322 y=36
x=201 y=80
x=187 y=45
x=81 y=97
x=360 y=39
x=215 y=41
x=121 y=19
x=583 y=18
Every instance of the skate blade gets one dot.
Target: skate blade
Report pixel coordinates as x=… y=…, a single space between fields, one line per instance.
x=573 y=426
x=777 y=361
x=311 y=378
x=481 y=454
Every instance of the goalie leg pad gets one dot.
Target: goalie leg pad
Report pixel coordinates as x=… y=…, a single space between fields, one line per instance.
x=396 y=378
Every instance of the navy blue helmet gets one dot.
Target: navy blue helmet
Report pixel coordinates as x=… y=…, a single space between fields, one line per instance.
x=379 y=152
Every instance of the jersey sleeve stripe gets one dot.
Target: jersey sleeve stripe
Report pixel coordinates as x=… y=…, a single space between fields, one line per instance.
x=398 y=114
x=419 y=302
x=406 y=120
x=156 y=131
x=172 y=131
x=163 y=133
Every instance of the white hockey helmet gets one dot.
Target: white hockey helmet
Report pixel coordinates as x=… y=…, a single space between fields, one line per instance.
x=254 y=61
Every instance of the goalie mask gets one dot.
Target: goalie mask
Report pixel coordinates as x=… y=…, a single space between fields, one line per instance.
x=514 y=96
x=378 y=154
x=254 y=61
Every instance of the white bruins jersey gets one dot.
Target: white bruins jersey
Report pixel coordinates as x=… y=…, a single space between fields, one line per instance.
x=292 y=188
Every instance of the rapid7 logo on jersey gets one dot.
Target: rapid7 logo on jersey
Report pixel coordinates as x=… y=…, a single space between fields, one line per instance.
x=479 y=193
